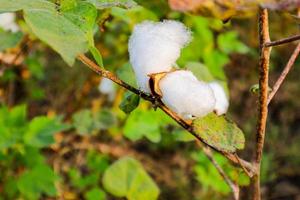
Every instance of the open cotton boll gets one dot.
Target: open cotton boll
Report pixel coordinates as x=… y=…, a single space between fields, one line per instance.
x=154 y=47
x=222 y=102
x=7 y=22
x=184 y=94
x=107 y=87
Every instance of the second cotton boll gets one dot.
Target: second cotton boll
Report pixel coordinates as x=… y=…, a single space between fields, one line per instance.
x=7 y=22
x=222 y=103
x=183 y=93
x=154 y=47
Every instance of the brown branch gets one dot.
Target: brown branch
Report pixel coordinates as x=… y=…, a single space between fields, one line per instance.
x=157 y=102
x=263 y=96
x=284 y=73
x=282 y=41
x=234 y=187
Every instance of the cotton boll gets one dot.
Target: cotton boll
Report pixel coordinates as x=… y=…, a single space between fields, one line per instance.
x=154 y=47
x=222 y=103
x=7 y=22
x=184 y=94
x=107 y=87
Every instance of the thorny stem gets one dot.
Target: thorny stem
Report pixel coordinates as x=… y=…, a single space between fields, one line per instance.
x=154 y=100
x=284 y=73
x=282 y=41
x=234 y=187
x=263 y=97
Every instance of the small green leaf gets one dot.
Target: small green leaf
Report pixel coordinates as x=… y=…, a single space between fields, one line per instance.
x=127 y=178
x=143 y=123
x=97 y=55
x=130 y=102
x=219 y=132
x=40 y=180
x=200 y=71
x=102 y=4
x=9 y=39
x=41 y=130
x=229 y=43
x=83 y=122
x=95 y=194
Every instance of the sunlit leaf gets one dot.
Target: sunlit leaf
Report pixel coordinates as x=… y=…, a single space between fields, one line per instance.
x=127 y=178
x=219 y=132
x=101 y=4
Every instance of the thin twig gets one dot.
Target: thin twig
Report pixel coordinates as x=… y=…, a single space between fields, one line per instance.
x=282 y=41
x=234 y=187
x=263 y=96
x=157 y=102
x=284 y=73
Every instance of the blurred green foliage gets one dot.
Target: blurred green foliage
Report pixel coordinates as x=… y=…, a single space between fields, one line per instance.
x=103 y=28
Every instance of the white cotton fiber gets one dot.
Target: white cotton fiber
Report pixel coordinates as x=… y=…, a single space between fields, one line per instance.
x=154 y=47
x=184 y=94
x=7 y=22
x=222 y=103
x=107 y=87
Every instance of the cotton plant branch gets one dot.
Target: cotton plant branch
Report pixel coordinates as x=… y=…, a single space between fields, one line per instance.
x=284 y=73
x=282 y=41
x=234 y=187
x=264 y=62
x=157 y=103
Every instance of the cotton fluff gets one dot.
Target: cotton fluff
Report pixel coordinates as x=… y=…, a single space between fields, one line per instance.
x=107 y=87
x=222 y=103
x=184 y=94
x=7 y=22
x=154 y=47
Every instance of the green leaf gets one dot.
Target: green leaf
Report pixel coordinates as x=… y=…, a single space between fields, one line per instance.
x=83 y=15
x=129 y=102
x=41 y=130
x=97 y=55
x=215 y=61
x=200 y=71
x=15 y=5
x=229 y=43
x=60 y=33
x=35 y=67
x=102 y=4
x=9 y=39
x=83 y=122
x=127 y=178
x=104 y=119
x=40 y=180
x=143 y=123
x=95 y=194
x=12 y=125
x=219 y=132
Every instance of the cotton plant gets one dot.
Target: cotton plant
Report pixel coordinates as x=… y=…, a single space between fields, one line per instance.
x=107 y=87
x=7 y=22
x=154 y=48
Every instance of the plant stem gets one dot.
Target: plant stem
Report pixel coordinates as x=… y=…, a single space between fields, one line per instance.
x=263 y=97
x=234 y=187
x=284 y=73
x=282 y=41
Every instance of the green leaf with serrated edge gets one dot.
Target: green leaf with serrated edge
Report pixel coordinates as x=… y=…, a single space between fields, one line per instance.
x=102 y=4
x=219 y=132
x=127 y=178
x=9 y=39
x=97 y=55
x=59 y=32
x=15 y=5
x=129 y=102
